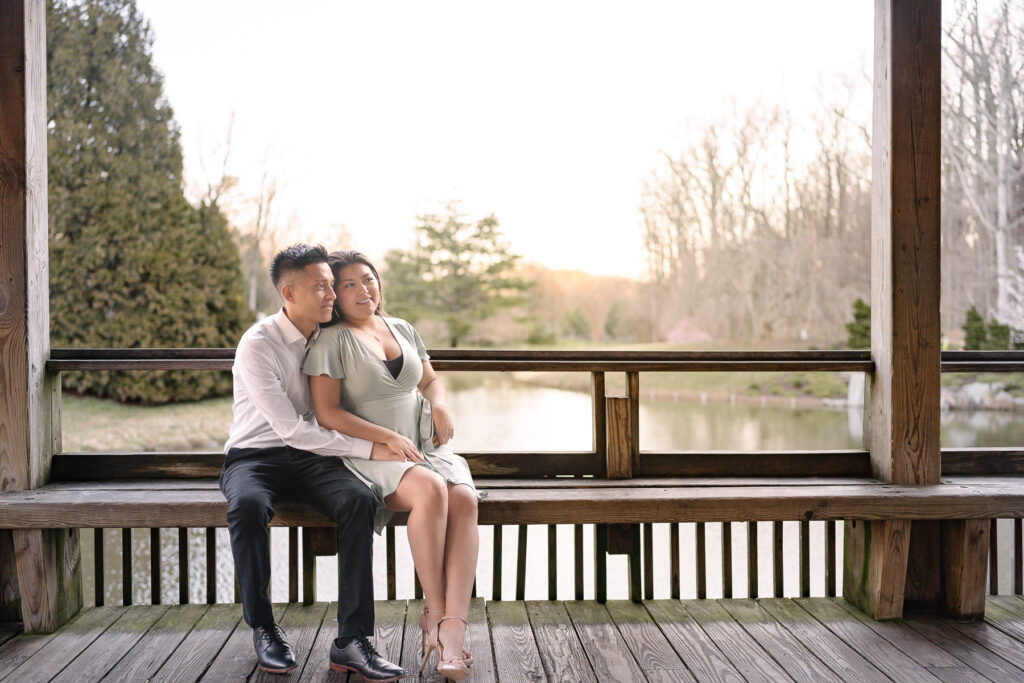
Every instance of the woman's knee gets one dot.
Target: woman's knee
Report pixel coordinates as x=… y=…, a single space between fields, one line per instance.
x=462 y=501
x=424 y=488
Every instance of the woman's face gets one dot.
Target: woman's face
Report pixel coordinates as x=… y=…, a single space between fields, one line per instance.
x=358 y=292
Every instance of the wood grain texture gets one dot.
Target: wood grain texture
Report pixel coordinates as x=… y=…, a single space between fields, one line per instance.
x=992 y=638
x=838 y=655
x=157 y=644
x=10 y=600
x=516 y=658
x=493 y=468
x=54 y=507
x=875 y=565
x=648 y=645
x=619 y=464
x=606 y=650
x=963 y=648
x=933 y=658
x=965 y=557
x=749 y=658
x=49 y=577
x=104 y=653
x=905 y=329
x=63 y=649
x=199 y=648
x=888 y=659
x=798 y=661
x=693 y=645
x=559 y=646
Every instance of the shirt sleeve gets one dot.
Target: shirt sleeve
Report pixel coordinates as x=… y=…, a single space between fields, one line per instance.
x=414 y=337
x=265 y=389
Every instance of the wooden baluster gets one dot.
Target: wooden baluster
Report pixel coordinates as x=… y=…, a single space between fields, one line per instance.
x=751 y=559
x=726 y=559
x=126 y=566
x=552 y=562
x=97 y=563
x=805 y=558
x=634 y=563
x=183 y=574
x=675 y=577
x=211 y=565
x=601 y=563
x=238 y=589
x=578 y=559
x=417 y=588
x=1018 y=558
x=293 y=564
x=154 y=566
x=496 y=564
x=521 y=563
x=648 y=561
x=993 y=558
x=777 y=557
x=702 y=587
x=389 y=543
x=830 y=558
x=308 y=567
x=600 y=421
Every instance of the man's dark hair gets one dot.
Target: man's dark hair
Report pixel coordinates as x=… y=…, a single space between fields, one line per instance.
x=295 y=257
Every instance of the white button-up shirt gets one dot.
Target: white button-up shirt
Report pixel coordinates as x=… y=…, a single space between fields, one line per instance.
x=273 y=407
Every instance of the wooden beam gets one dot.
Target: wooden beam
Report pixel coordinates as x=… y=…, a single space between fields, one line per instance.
x=905 y=329
x=47 y=561
x=905 y=332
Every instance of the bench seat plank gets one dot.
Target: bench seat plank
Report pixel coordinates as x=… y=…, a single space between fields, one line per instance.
x=119 y=506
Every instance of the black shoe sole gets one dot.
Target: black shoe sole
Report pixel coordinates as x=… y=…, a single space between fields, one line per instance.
x=276 y=671
x=348 y=669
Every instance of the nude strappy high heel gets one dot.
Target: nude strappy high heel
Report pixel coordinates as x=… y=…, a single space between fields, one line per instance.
x=454 y=668
x=467 y=656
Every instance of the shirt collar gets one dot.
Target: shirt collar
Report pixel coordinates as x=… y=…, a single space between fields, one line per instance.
x=290 y=333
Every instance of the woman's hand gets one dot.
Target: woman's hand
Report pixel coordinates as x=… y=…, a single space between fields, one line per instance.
x=444 y=425
x=398 y=448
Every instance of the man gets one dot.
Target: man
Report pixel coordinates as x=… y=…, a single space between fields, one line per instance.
x=276 y=451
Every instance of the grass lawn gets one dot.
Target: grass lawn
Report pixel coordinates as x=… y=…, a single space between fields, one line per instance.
x=93 y=424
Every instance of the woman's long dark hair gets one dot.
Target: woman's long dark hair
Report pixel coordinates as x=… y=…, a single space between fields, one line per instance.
x=338 y=260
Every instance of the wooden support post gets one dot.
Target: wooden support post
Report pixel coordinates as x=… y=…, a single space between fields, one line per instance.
x=964 y=558
x=620 y=438
x=324 y=540
x=905 y=330
x=47 y=562
x=876 y=566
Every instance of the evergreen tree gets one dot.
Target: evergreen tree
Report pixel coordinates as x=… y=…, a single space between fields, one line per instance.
x=997 y=336
x=132 y=263
x=859 y=331
x=457 y=272
x=975 y=335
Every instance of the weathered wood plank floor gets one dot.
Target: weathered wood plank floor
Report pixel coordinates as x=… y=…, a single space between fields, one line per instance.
x=810 y=639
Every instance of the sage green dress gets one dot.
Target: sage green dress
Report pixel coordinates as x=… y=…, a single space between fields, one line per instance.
x=369 y=391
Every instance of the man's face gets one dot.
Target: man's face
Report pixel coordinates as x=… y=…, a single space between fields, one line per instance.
x=310 y=293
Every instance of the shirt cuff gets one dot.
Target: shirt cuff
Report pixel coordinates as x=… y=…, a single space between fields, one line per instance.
x=361 y=448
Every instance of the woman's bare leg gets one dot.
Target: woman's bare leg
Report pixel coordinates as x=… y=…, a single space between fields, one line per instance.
x=423 y=493
x=462 y=544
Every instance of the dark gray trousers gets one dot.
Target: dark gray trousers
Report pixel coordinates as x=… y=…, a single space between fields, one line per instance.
x=254 y=481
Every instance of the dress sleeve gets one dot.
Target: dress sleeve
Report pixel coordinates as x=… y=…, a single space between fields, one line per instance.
x=325 y=356
x=414 y=338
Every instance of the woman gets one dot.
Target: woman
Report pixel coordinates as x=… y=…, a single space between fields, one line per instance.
x=364 y=371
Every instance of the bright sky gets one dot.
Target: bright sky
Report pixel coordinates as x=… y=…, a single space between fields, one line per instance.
x=548 y=114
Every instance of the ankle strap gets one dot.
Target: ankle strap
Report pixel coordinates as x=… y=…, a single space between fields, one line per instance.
x=458 y=618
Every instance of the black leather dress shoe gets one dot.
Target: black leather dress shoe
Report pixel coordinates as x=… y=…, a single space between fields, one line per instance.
x=360 y=657
x=272 y=651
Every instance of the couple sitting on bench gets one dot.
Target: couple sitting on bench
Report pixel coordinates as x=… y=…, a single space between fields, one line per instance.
x=377 y=445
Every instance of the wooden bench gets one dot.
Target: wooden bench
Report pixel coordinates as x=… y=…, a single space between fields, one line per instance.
x=964 y=504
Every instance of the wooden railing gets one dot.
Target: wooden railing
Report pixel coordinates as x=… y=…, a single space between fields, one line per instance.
x=609 y=457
